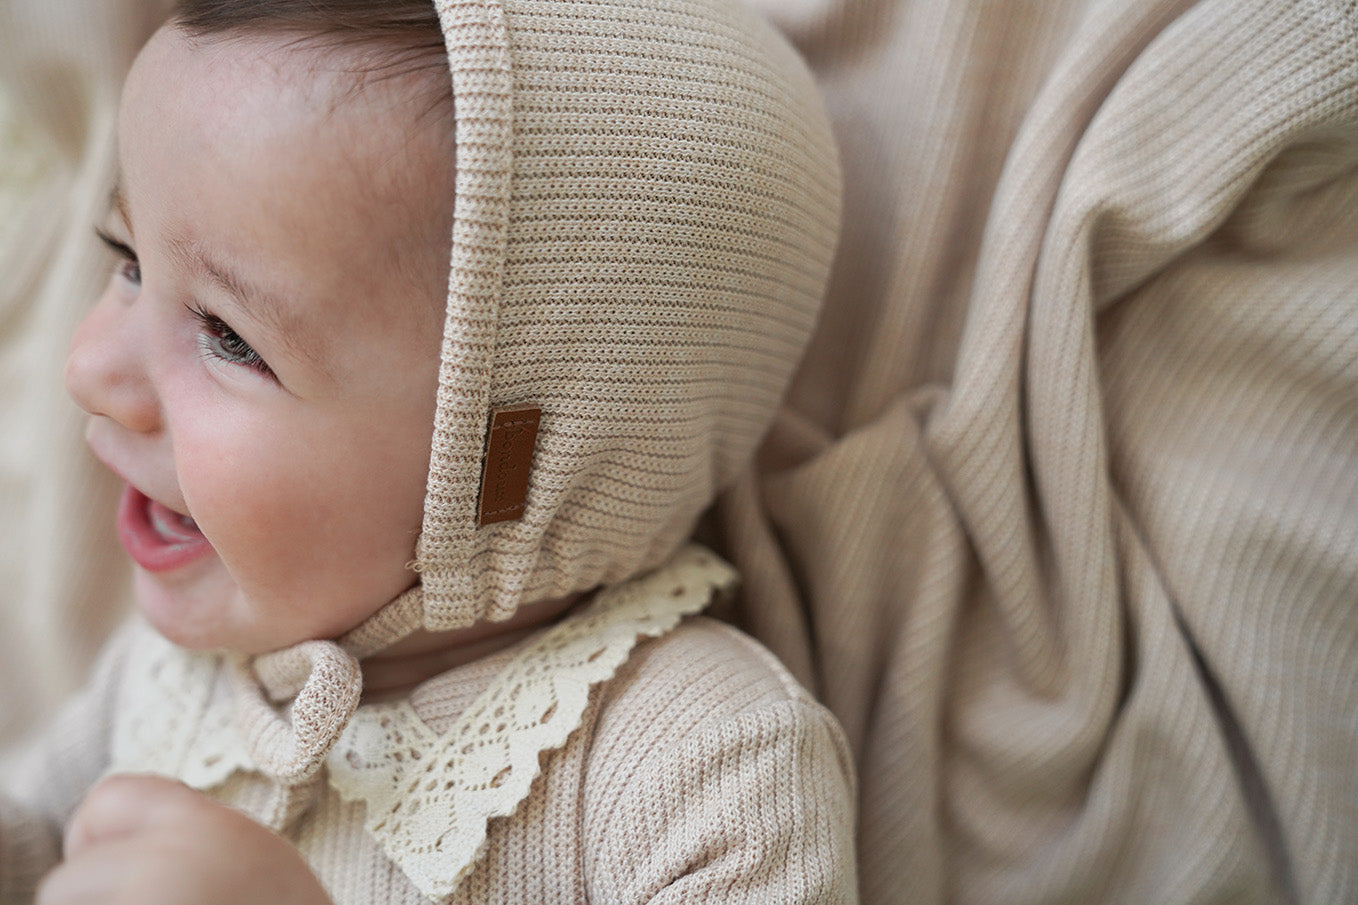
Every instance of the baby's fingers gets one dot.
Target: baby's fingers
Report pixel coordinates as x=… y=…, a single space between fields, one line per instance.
x=114 y=873
x=127 y=805
x=150 y=841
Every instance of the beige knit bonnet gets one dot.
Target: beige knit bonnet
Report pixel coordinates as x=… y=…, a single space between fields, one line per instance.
x=647 y=203
x=647 y=206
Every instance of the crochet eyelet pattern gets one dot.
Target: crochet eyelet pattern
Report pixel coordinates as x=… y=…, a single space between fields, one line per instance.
x=428 y=796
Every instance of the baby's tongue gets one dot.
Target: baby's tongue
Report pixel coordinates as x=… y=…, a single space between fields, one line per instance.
x=171 y=526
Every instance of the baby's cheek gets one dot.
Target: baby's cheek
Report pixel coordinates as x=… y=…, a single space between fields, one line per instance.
x=252 y=503
x=324 y=539
x=370 y=518
x=314 y=524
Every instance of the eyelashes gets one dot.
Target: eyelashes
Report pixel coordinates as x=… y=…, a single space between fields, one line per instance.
x=129 y=267
x=216 y=338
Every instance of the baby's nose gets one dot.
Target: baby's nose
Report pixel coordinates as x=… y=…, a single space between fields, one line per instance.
x=106 y=368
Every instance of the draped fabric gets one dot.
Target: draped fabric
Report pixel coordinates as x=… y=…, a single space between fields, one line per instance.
x=1061 y=516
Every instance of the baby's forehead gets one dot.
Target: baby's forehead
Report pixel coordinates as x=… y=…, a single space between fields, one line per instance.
x=240 y=73
x=390 y=129
x=307 y=178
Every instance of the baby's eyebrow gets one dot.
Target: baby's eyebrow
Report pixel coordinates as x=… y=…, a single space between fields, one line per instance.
x=265 y=308
x=283 y=320
x=120 y=205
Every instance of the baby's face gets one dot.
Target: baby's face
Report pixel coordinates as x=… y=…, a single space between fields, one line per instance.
x=261 y=369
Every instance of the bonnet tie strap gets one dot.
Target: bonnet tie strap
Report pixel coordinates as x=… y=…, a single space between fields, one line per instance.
x=323 y=682
x=326 y=683
x=291 y=750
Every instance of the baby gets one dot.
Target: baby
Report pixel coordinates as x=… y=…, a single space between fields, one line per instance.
x=417 y=387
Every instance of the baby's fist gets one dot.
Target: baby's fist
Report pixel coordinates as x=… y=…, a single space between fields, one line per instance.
x=151 y=841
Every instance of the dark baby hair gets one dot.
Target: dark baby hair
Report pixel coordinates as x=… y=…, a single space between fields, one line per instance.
x=411 y=24
x=376 y=40
x=405 y=35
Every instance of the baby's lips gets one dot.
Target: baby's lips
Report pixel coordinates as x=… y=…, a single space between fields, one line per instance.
x=156 y=537
x=174 y=526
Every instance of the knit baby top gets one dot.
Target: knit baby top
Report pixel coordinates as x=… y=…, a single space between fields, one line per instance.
x=560 y=770
x=646 y=207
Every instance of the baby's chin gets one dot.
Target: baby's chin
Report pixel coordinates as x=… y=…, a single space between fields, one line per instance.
x=200 y=611
x=204 y=609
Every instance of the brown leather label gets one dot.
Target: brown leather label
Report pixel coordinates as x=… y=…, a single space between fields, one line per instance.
x=509 y=461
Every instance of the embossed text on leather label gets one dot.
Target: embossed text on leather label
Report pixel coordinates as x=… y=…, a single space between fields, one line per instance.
x=512 y=436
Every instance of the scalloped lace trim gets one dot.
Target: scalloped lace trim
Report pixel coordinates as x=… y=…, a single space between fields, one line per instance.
x=175 y=716
x=429 y=797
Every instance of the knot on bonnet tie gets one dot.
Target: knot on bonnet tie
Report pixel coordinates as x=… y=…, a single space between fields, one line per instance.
x=319 y=683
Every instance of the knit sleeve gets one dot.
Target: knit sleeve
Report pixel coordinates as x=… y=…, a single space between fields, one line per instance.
x=45 y=779
x=740 y=796
x=756 y=810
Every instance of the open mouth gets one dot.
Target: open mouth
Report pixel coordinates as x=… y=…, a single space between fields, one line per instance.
x=156 y=537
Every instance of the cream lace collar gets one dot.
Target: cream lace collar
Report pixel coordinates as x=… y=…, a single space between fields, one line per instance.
x=428 y=795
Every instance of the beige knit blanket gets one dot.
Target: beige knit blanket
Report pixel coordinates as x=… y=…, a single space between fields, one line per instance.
x=1061 y=518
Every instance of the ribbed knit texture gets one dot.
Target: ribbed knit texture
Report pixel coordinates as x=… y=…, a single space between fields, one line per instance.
x=1082 y=596
x=702 y=772
x=645 y=214
x=647 y=205
x=1071 y=519
x=646 y=209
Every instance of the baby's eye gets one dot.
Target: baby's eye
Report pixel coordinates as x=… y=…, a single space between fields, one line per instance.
x=129 y=268
x=219 y=341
